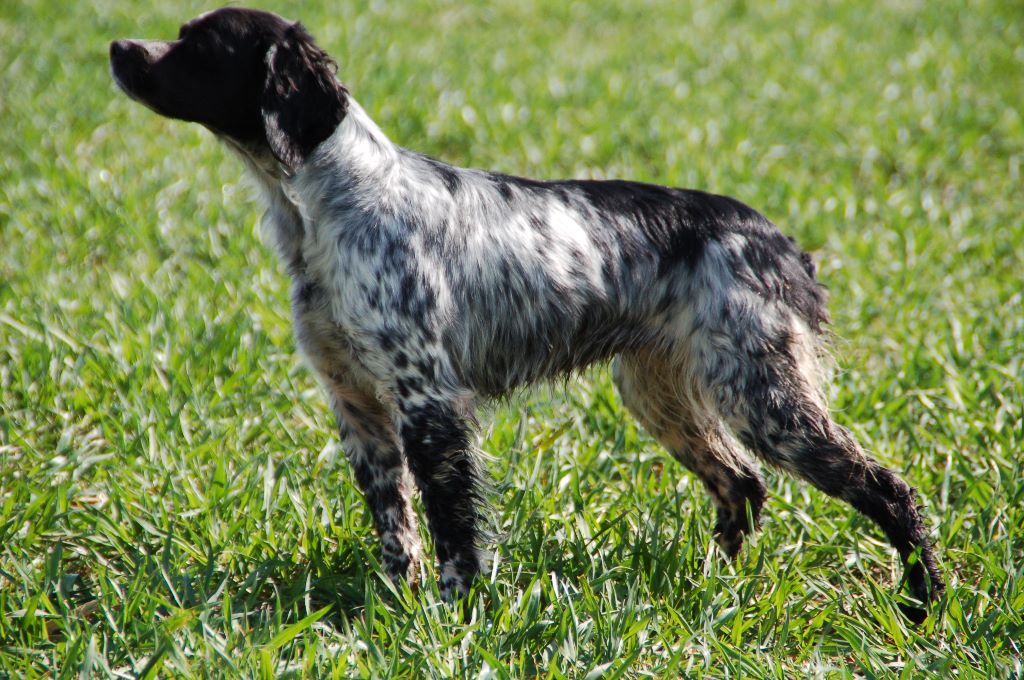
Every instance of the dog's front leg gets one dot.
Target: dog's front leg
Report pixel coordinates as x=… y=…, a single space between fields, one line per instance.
x=373 y=448
x=436 y=435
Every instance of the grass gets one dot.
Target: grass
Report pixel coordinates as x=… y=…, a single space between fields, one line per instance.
x=172 y=502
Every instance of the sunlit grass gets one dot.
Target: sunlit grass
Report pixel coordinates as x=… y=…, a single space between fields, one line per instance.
x=172 y=501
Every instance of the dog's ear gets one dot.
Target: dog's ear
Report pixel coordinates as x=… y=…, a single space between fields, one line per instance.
x=302 y=102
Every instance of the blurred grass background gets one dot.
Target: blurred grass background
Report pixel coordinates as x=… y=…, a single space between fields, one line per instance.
x=171 y=499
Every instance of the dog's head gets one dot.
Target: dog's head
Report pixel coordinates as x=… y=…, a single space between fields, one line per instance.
x=249 y=76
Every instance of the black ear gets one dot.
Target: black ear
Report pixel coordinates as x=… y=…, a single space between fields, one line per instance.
x=302 y=101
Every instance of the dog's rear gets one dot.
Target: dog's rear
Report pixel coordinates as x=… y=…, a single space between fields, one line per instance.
x=418 y=287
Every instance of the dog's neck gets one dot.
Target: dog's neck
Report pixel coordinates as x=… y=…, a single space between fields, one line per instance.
x=357 y=168
x=353 y=166
x=357 y=149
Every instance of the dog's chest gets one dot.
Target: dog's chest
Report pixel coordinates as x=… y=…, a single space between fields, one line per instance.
x=325 y=343
x=332 y=323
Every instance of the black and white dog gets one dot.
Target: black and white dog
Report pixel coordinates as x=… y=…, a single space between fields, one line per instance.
x=419 y=287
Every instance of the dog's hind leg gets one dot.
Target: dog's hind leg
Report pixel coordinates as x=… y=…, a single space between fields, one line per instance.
x=660 y=397
x=763 y=377
x=372 y=445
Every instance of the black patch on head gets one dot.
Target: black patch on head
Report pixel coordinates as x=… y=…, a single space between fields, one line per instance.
x=302 y=101
x=212 y=75
x=245 y=74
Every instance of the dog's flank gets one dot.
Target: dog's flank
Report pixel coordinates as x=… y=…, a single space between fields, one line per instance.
x=419 y=287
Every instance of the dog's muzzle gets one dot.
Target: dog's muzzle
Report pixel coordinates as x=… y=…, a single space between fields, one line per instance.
x=131 y=60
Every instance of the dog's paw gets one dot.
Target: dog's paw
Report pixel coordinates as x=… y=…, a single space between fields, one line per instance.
x=406 y=568
x=916 y=615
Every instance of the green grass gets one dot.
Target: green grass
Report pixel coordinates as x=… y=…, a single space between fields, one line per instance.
x=172 y=501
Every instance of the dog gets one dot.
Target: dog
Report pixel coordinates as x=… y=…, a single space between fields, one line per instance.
x=419 y=288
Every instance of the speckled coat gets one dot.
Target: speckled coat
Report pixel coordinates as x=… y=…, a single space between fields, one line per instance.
x=419 y=288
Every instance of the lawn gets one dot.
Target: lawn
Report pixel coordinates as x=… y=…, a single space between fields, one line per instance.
x=172 y=499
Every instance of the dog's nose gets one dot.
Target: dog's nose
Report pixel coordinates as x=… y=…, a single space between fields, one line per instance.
x=148 y=51
x=119 y=48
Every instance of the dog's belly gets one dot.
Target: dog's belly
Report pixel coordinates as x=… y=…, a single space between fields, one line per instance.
x=499 y=346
